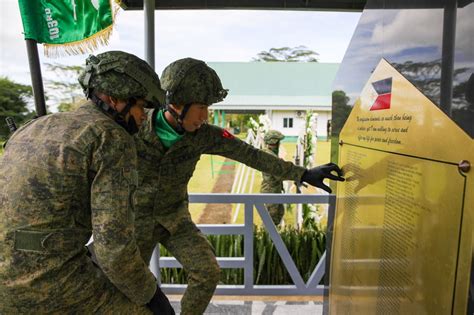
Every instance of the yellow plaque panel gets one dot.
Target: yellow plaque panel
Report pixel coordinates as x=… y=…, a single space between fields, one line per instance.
x=402 y=231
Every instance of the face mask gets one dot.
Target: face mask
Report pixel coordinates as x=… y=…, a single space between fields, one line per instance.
x=120 y=118
x=131 y=125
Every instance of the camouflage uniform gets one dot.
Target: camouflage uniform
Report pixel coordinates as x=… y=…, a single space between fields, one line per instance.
x=162 y=213
x=65 y=177
x=272 y=184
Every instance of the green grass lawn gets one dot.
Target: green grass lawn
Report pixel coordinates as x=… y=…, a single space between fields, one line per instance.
x=203 y=180
x=288 y=149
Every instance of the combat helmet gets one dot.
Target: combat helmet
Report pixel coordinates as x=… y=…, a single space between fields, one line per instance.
x=273 y=137
x=121 y=75
x=189 y=80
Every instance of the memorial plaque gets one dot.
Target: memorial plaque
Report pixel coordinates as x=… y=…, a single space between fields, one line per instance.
x=402 y=230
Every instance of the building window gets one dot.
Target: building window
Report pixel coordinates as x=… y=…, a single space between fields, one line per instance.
x=287 y=122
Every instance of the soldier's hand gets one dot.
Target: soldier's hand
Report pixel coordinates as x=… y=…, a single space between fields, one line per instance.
x=316 y=175
x=159 y=303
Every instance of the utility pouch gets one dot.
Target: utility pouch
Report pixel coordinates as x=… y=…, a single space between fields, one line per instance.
x=44 y=241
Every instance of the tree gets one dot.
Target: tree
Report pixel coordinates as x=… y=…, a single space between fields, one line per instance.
x=288 y=54
x=426 y=76
x=66 y=107
x=64 y=90
x=340 y=110
x=14 y=98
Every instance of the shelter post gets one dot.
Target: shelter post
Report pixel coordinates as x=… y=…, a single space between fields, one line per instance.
x=149 y=10
x=36 y=78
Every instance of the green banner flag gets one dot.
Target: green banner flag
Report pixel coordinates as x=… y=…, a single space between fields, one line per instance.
x=67 y=26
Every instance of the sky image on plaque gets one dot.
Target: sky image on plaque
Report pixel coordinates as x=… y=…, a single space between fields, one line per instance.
x=402 y=228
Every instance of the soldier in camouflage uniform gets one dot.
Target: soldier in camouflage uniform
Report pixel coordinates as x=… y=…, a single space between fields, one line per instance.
x=272 y=184
x=169 y=145
x=65 y=177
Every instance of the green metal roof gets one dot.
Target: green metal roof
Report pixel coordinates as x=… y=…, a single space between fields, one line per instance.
x=280 y=84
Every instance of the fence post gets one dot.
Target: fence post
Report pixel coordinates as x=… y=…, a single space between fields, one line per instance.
x=248 y=247
x=329 y=234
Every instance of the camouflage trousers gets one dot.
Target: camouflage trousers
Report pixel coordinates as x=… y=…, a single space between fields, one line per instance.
x=115 y=304
x=276 y=212
x=119 y=304
x=192 y=249
x=87 y=291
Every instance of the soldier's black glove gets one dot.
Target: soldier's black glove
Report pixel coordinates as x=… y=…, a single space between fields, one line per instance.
x=159 y=304
x=316 y=175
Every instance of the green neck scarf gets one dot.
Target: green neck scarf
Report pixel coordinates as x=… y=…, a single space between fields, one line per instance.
x=168 y=136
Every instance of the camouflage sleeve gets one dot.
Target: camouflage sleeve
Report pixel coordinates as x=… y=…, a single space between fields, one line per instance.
x=114 y=162
x=270 y=183
x=221 y=142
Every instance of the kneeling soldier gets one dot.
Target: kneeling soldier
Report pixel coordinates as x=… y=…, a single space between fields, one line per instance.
x=65 y=177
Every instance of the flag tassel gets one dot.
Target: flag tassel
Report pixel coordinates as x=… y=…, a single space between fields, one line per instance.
x=86 y=45
x=79 y=47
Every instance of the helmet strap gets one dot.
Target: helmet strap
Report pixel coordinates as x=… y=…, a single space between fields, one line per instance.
x=185 y=111
x=178 y=117
x=119 y=117
x=102 y=105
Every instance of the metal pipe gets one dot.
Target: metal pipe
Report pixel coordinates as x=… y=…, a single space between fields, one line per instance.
x=280 y=247
x=447 y=63
x=149 y=10
x=248 y=247
x=259 y=198
x=246 y=262
x=36 y=79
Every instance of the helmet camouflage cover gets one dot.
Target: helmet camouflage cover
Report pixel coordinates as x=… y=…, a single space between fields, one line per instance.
x=121 y=75
x=273 y=137
x=189 y=80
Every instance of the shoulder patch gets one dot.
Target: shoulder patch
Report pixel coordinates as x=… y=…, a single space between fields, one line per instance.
x=226 y=134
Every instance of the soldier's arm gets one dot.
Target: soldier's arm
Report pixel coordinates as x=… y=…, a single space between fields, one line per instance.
x=218 y=141
x=114 y=162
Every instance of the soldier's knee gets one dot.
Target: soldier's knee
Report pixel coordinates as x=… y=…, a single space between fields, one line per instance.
x=215 y=271
x=212 y=271
x=207 y=272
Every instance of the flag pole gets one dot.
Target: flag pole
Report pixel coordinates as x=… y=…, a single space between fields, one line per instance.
x=149 y=11
x=36 y=79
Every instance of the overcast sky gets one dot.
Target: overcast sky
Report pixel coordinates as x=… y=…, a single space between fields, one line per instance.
x=209 y=35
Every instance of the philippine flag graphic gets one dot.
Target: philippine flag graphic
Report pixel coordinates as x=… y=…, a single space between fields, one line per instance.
x=384 y=94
